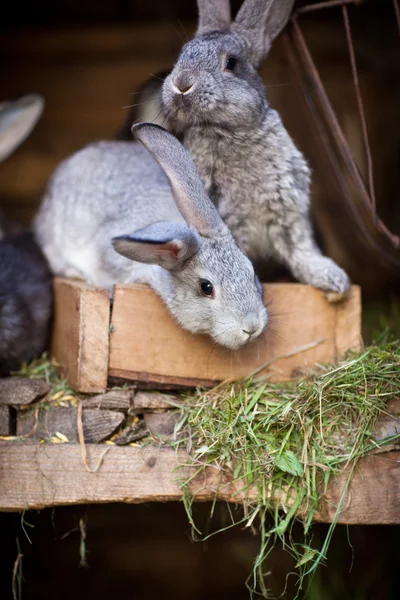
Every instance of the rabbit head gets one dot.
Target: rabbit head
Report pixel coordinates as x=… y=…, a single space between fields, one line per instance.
x=206 y=281
x=215 y=79
x=17 y=119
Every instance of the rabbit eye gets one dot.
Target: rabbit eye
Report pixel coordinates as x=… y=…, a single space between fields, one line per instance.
x=231 y=63
x=206 y=288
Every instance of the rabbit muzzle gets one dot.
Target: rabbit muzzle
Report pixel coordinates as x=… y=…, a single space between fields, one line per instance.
x=183 y=83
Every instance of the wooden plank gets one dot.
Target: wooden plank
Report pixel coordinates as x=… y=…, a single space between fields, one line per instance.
x=97 y=425
x=5 y=420
x=348 y=323
x=155 y=402
x=144 y=332
x=36 y=476
x=80 y=334
x=20 y=391
x=112 y=400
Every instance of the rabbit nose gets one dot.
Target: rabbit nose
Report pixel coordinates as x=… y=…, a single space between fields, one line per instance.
x=251 y=326
x=183 y=83
x=250 y=331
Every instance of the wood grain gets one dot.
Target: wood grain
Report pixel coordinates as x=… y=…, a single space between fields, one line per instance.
x=348 y=323
x=98 y=425
x=155 y=402
x=80 y=334
x=147 y=344
x=112 y=400
x=5 y=420
x=38 y=476
x=21 y=391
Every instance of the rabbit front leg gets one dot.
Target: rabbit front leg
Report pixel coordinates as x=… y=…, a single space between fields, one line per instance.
x=293 y=243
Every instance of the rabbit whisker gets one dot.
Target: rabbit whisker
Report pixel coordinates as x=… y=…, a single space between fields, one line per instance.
x=156 y=77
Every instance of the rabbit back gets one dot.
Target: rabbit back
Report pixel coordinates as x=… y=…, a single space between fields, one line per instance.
x=25 y=301
x=101 y=192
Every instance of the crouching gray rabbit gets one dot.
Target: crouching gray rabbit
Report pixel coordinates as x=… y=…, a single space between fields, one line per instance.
x=108 y=216
x=254 y=174
x=25 y=279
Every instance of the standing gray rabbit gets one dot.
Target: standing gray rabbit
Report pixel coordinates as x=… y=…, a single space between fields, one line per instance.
x=25 y=279
x=108 y=217
x=251 y=168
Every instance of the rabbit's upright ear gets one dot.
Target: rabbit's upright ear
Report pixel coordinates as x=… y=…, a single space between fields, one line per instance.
x=187 y=187
x=17 y=119
x=258 y=22
x=214 y=15
x=165 y=243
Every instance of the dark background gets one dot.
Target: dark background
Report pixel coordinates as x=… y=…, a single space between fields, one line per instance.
x=145 y=552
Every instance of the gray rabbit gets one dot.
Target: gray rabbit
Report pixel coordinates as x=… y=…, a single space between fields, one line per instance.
x=108 y=216
x=25 y=279
x=250 y=166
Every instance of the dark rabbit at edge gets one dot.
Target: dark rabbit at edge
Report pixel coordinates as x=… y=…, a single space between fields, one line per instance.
x=25 y=279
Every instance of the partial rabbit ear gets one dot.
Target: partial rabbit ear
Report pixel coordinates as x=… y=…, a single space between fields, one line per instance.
x=187 y=187
x=258 y=22
x=17 y=119
x=165 y=243
x=214 y=15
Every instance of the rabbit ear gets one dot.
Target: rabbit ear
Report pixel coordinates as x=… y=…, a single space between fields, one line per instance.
x=17 y=120
x=187 y=187
x=165 y=243
x=214 y=15
x=259 y=22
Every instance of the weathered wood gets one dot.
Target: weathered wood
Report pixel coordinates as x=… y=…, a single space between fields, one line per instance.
x=348 y=323
x=154 y=401
x=38 y=476
x=112 y=400
x=98 y=425
x=20 y=391
x=309 y=330
x=5 y=420
x=161 y=424
x=80 y=334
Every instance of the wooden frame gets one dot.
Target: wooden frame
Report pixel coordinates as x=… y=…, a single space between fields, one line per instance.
x=138 y=339
x=35 y=476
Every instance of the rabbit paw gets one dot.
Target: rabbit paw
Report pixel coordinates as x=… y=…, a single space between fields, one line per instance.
x=324 y=273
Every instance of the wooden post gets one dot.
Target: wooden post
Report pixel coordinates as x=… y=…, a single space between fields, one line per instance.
x=80 y=334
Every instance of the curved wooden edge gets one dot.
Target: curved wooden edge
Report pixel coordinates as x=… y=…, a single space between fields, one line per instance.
x=35 y=476
x=149 y=380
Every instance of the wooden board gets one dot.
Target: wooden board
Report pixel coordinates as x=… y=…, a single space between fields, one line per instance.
x=35 y=476
x=80 y=334
x=146 y=344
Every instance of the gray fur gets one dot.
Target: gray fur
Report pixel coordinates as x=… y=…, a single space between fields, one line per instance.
x=110 y=189
x=25 y=280
x=214 y=15
x=258 y=22
x=251 y=169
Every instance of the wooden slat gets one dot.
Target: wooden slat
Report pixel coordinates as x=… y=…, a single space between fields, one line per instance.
x=348 y=323
x=80 y=334
x=97 y=425
x=144 y=333
x=5 y=420
x=36 y=476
